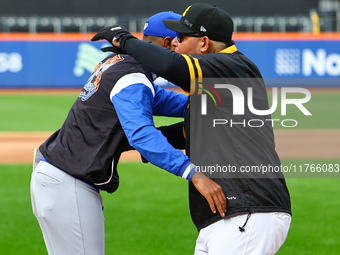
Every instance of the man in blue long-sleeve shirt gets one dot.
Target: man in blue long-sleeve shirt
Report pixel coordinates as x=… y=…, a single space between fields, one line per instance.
x=113 y=112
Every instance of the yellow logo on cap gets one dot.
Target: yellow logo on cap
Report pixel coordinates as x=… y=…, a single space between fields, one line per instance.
x=187 y=9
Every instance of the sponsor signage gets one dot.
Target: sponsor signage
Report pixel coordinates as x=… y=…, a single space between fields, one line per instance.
x=69 y=63
x=47 y=64
x=295 y=63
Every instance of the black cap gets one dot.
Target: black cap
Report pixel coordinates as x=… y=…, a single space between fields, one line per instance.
x=204 y=19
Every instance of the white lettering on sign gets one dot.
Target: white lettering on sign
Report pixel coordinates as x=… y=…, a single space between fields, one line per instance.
x=320 y=63
x=10 y=62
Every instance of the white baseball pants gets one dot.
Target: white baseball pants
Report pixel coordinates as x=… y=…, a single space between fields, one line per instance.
x=69 y=212
x=264 y=234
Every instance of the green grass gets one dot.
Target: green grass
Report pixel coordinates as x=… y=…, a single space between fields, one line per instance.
x=47 y=112
x=323 y=107
x=20 y=233
x=315 y=208
x=42 y=112
x=34 y=112
x=315 y=223
x=149 y=214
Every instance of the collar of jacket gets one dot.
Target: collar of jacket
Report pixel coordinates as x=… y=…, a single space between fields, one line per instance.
x=230 y=49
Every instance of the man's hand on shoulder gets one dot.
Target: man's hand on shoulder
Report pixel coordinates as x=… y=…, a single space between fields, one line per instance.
x=110 y=34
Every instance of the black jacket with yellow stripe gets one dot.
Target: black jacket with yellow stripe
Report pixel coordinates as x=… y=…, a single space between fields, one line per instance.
x=240 y=146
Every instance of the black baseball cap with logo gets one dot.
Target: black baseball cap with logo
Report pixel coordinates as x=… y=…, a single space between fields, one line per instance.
x=206 y=20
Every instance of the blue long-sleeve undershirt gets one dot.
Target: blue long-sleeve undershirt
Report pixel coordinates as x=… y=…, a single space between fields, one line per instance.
x=136 y=100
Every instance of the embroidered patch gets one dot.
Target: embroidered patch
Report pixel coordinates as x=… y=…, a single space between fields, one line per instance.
x=93 y=82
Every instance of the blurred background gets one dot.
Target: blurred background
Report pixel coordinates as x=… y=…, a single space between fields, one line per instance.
x=84 y=16
x=286 y=39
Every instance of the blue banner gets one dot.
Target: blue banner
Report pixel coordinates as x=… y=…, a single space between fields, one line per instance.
x=47 y=64
x=43 y=64
x=295 y=63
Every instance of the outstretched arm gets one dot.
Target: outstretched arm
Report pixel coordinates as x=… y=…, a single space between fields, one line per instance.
x=164 y=62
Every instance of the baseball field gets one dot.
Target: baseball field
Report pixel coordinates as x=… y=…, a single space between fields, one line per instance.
x=149 y=213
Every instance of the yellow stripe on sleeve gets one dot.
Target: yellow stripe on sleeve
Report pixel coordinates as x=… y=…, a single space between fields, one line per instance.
x=199 y=72
x=192 y=74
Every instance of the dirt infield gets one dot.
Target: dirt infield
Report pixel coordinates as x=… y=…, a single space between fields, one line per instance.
x=290 y=144
x=18 y=147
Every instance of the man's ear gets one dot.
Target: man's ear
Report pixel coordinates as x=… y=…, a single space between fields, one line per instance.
x=206 y=45
x=167 y=42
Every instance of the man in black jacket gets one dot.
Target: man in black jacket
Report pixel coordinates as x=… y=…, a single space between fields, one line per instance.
x=232 y=143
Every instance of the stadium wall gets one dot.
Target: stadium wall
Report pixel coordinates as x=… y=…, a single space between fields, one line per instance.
x=150 y=7
x=66 y=60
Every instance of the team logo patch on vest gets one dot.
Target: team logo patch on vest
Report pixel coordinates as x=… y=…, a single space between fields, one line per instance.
x=93 y=82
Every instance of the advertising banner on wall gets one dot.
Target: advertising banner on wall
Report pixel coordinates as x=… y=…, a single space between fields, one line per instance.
x=68 y=61
x=311 y=63
x=47 y=63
